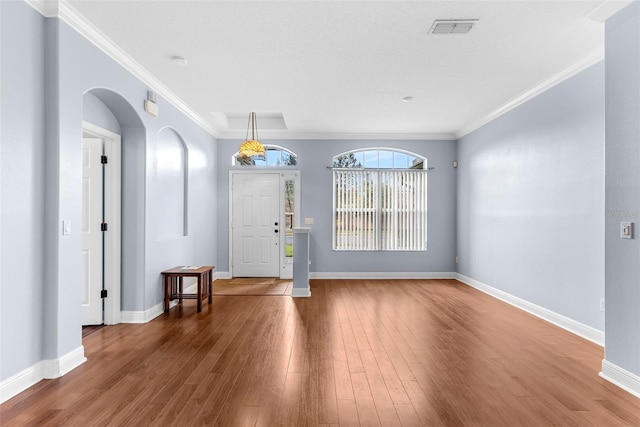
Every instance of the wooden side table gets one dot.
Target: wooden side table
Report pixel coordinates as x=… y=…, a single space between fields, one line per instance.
x=173 y=284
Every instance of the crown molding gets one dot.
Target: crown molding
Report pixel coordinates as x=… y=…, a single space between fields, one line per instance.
x=67 y=13
x=46 y=8
x=606 y=9
x=534 y=91
x=266 y=135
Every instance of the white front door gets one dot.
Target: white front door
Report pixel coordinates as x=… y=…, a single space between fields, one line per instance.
x=255 y=224
x=92 y=218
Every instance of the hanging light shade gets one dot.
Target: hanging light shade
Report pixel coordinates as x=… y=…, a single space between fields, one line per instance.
x=251 y=147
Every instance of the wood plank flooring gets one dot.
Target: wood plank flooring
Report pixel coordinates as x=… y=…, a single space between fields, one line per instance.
x=252 y=286
x=87 y=330
x=367 y=352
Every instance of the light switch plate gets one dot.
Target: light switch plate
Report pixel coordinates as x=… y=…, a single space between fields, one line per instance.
x=626 y=230
x=308 y=221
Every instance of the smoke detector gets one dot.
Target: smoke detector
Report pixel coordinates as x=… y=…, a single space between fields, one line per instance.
x=452 y=26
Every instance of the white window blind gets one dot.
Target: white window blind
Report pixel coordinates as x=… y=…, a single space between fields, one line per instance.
x=380 y=210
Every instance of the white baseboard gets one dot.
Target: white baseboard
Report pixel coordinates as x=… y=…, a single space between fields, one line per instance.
x=20 y=382
x=300 y=292
x=58 y=367
x=146 y=315
x=222 y=275
x=44 y=369
x=620 y=377
x=153 y=312
x=381 y=275
x=587 y=332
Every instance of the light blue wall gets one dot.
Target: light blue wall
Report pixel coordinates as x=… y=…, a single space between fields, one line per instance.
x=139 y=145
x=198 y=246
x=96 y=112
x=170 y=203
x=316 y=202
x=47 y=69
x=100 y=107
x=22 y=179
x=531 y=200
x=622 y=182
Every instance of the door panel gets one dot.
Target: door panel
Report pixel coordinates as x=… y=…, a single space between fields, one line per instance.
x=92 y=214
x=265 y=249
x=247 y=211
x=86 y=265
x=255 y=211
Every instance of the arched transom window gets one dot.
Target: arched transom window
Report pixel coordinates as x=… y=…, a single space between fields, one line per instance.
x=274 y=155
x=379 y=158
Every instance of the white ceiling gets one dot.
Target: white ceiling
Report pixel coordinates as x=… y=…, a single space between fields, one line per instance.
x=341 y=68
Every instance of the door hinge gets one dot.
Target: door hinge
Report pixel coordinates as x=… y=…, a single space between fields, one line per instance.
x=103 y=293
x=104 y=226
x=103 y=160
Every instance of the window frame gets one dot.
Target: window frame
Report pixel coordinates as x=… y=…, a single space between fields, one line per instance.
x=415 y=211
x=386 y=149
x=279 y=148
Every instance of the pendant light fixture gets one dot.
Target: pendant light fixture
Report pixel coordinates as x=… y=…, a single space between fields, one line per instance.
x=251 y=147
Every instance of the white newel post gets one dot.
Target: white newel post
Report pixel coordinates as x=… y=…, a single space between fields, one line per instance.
x=301 y=262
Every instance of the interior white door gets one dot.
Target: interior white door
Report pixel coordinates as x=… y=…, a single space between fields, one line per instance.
x=255 y=224
x=92 y=214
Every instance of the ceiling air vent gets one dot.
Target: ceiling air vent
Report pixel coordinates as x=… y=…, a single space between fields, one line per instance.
x=452 y=26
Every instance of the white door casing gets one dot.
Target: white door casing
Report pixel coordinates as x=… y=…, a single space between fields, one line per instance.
x=111 y=146
x=92 y=203
x=255 y=224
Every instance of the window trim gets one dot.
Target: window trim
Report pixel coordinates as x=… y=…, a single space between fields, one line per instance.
x=417 y=215
x=393 y=150
x=234 y=163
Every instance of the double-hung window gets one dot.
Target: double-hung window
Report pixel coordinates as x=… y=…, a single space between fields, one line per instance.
x=379 y=201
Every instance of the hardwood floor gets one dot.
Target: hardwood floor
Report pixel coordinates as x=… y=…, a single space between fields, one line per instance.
x=87 y=330
x=380 y=353
x=252 y=286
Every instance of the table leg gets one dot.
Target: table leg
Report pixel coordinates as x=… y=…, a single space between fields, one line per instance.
x=180 y=289
x=166 y=294
x=209 y=286
x=199 y=297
